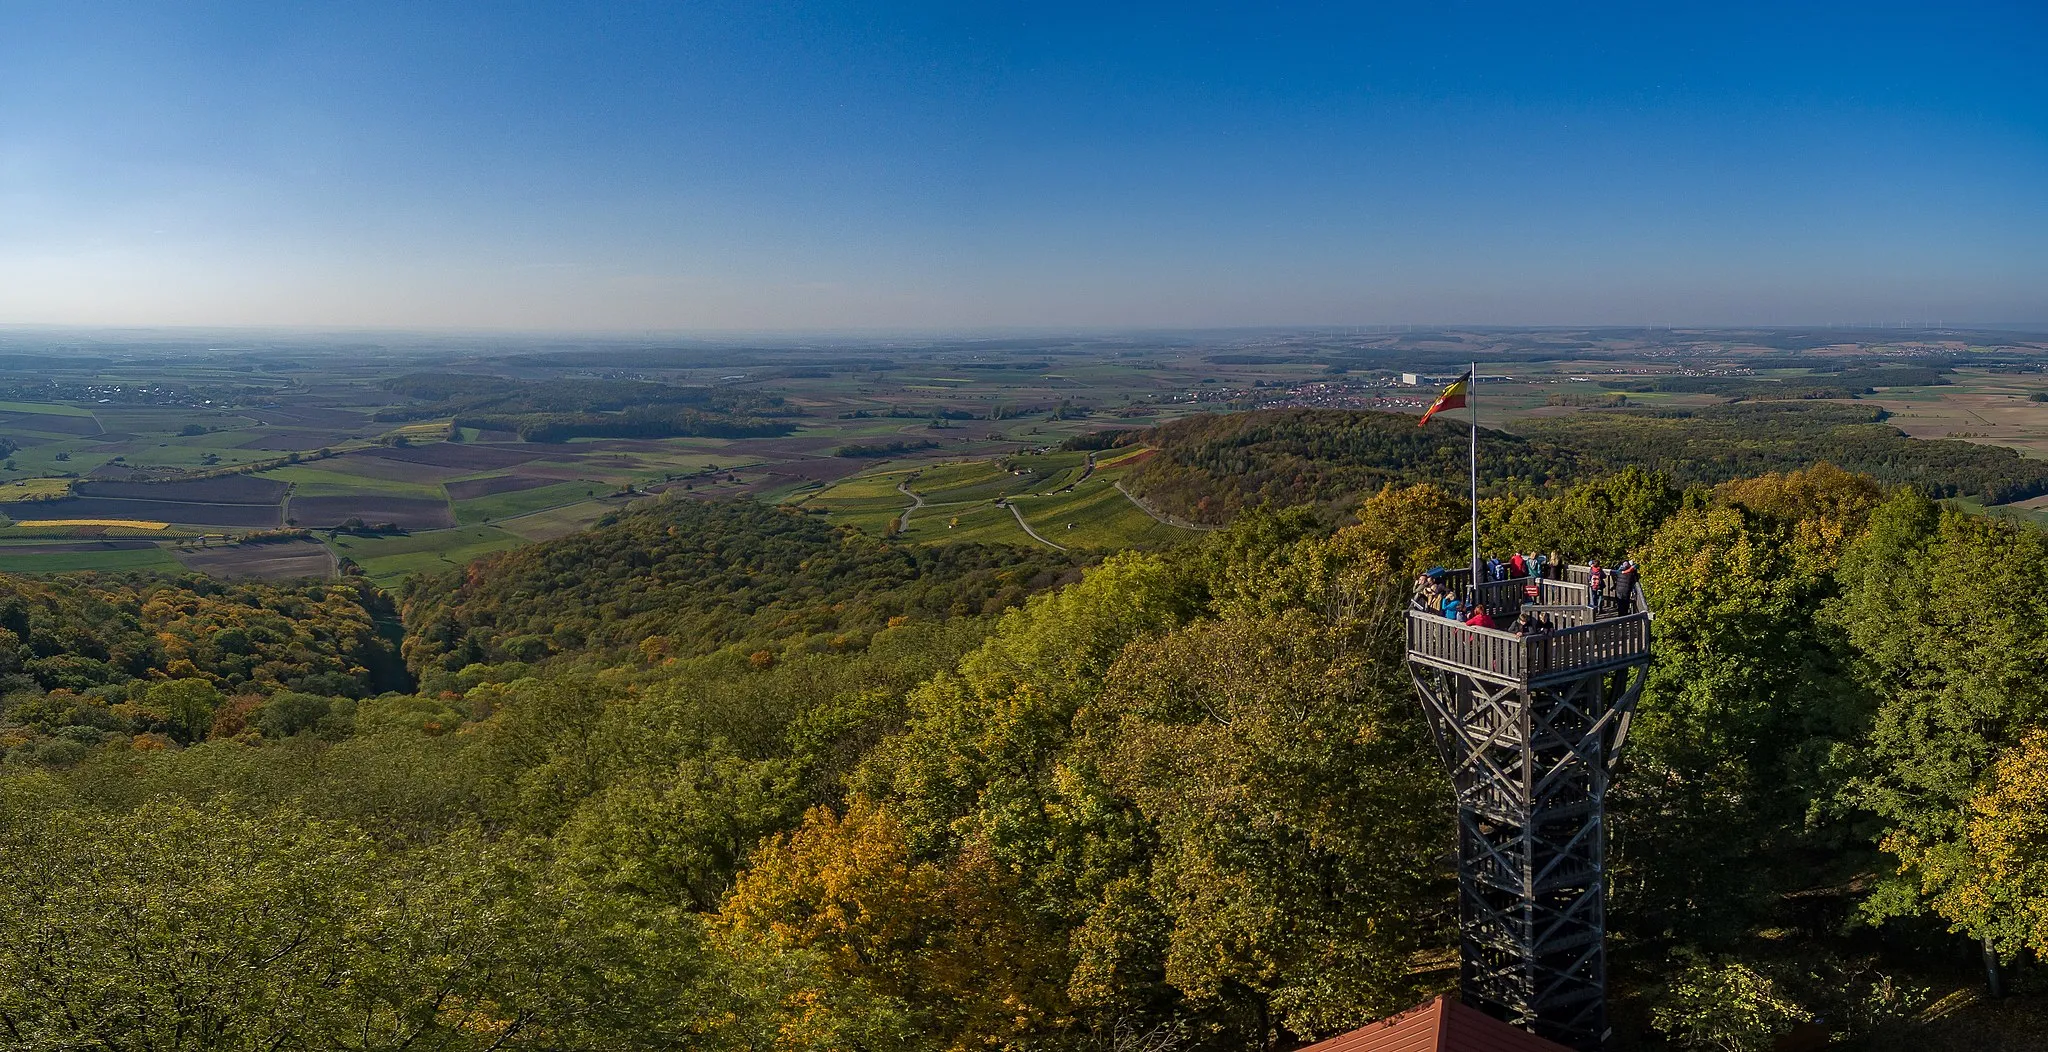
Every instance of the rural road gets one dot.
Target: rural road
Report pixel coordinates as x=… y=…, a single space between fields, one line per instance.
x=903 y=523
x=1087 y=470
x=1034 y=533
x=1167 y=519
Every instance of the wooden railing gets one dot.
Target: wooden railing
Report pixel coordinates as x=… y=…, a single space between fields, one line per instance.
x=1506 y=655
x=1504 y=599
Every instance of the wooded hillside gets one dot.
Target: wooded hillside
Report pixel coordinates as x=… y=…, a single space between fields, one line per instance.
x=763 y=784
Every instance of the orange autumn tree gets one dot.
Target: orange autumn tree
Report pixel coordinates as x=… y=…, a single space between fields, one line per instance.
x=946 y=942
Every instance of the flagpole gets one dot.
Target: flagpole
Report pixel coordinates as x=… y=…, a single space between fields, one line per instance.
x=1472 y=402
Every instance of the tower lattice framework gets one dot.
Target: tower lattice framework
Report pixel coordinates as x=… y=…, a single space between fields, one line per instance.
x=1530 y=728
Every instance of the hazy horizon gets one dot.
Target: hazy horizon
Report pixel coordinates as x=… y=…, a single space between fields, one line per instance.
x=726 y=169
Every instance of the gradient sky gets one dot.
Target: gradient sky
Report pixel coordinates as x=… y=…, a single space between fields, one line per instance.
x=703 y=166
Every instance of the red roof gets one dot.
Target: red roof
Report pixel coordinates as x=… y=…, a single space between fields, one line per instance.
x=1442 y=1025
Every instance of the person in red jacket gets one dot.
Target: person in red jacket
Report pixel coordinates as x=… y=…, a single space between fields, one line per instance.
x=1480 y=618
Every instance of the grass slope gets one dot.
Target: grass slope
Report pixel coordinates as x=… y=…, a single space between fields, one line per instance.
x=389 y=560
x=525 y=501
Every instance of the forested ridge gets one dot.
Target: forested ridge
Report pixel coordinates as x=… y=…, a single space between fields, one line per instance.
x=1211 y=466
x=674 y=576
x=720 y=776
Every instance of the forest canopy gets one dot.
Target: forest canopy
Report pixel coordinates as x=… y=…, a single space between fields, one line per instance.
x=1211 y=466
x=718 y=775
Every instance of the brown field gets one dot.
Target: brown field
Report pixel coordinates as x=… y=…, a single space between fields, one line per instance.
x=272 y=562
x=1992 y=410
x=795 y=447
x=466 y=456
x=190 y=513
x=484 y=487
x=605 y=469
x=412 y=513
x=828 y=470
x=311 y=417
x=226 y=489
x=385 y=468
x=286 y=440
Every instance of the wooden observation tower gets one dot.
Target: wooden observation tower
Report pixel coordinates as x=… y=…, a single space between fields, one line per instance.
x=1530 y=726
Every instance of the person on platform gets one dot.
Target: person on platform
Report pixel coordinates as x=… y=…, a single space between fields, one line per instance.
x=1625 y=587
x=1518 y=565
x=1480 y=618
x=1596 y=579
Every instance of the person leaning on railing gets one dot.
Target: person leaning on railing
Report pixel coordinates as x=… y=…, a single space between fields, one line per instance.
x=1625 y=587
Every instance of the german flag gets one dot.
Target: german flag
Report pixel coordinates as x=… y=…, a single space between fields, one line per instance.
x=1452 y=398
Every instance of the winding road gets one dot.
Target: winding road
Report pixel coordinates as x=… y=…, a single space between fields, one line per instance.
x=1034 y=533
x=903 y=521
x=1165 y=519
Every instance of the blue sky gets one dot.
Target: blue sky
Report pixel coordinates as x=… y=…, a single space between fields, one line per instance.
x=703 y=166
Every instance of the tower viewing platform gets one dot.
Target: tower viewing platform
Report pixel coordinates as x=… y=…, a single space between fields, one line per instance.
x=1529 y=721
x=1579 y=639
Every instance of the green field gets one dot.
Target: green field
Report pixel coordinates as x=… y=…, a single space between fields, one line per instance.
x=960 y=523
x=969 y=481
x=960 y=504
x=558 y=522
x=1094 y=515
x=389 y=560
x=866 y=502
x=525 y=501
x=69 y=562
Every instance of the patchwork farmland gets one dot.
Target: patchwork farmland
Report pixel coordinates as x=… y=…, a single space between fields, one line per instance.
x=303 y=458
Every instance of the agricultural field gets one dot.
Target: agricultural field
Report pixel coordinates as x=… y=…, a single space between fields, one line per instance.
x=387 y=561
x=870 y=503
x=1094 y=514
x=1067 y=500
x=72 y=556
x=191 y=513
x=224 y=443
x=270 y=561
x=561 y=521
x=34 y=489
x=407 y=513
x=525 y=501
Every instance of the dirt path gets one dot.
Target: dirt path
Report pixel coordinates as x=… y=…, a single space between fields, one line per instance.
x=903 y=521
x=1165 y=519
x=1034 y=533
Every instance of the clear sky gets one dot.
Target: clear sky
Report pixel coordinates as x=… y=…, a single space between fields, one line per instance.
x=704 y=165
